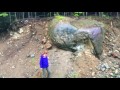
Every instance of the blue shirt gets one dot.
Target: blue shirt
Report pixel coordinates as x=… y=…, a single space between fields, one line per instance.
x=43 y=61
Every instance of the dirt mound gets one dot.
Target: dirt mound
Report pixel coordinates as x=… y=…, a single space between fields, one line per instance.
x=86 y=64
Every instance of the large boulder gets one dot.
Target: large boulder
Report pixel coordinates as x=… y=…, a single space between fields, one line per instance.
x=74 y=34
x=63 y=35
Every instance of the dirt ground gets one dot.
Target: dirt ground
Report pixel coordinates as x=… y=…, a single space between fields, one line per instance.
x=19 y=56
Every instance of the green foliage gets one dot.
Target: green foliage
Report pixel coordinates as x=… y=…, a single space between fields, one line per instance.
x=56 y=19
x=3 y=14
x=59 y=17
x=77 y=14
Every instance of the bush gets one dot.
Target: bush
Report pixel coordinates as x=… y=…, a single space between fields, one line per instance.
x=77 y=14
x=4 y=14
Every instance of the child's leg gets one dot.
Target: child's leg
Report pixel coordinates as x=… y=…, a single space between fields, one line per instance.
x=48 y=72
x=44 y=72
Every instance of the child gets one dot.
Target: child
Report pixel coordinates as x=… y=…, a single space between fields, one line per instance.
x=44 y=64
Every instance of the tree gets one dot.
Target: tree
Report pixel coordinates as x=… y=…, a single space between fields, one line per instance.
x=117 y=14
x=4 y=21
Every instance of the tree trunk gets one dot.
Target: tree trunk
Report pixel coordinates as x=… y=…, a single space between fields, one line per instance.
x=118 y=15
x=102 y=14
x=95 y=13
x=99 y=14
x=86 y=14
x=50 y=14
x=35 y=15
x=28 y=14
x=110 y=13
x=64 y=14
x=23 y=15
x=10 y=17
x=15 y=16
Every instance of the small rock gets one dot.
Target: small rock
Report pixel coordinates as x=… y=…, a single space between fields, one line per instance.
x=20 y=31
x=42 y=47
x=32 y=55
x=11 y=33
x=33 y=33
x=103 y=69
x=44 y=40
x=3 y=77
x=117 y=51
x=36 y=39
x=16 y=36
x=13 y=67
x=116 y=66
x=48 y=45
x=110 y=62
x=114 y=75
x=93 y=73
x=104 y=54
x=111 y=74
x=112 y=68
x=26 y=21
x=56 y=50
x=28 y=55
x=106 y=76
x=115 y=54
x=46 y=29
x=106 y=66
x=110 y=52
x=44 y=22
x=30 y=25
x=91 y=69
x=116 y=71
x=8 y=43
